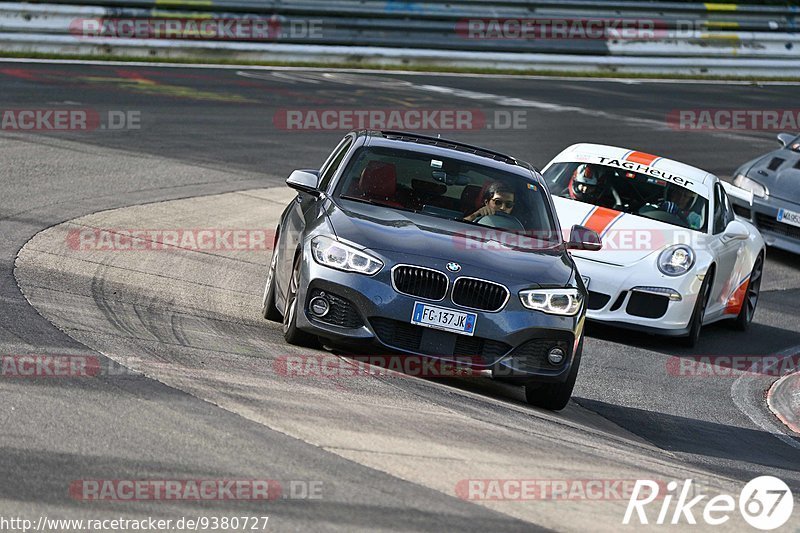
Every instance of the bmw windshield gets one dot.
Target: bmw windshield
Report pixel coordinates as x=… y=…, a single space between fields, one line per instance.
x=452 y=189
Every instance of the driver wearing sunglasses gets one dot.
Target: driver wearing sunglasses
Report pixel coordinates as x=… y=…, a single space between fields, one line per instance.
x=499 y=197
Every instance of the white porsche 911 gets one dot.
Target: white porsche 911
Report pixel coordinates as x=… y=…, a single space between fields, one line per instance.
x=675 y=256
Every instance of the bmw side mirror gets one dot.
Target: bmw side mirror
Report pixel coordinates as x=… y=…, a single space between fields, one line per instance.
x=785 y=138
x=305 y=181
x=582 y=238
x=736 y=231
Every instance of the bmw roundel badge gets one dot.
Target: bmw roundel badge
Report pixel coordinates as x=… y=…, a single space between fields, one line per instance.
x=453 y=267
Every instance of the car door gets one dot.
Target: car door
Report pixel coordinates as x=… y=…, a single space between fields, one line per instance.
x=726 y=252
x=294 y=219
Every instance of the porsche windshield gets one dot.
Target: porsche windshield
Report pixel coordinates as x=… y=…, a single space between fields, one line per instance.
x=449 y=188
x=629 y=192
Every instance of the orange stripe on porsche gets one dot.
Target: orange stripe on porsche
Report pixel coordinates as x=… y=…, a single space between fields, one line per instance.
x=734 y=306
x=641 y=158
x=600 y=219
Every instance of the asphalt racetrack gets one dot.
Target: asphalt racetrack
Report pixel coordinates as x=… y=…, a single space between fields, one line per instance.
x=189 y=385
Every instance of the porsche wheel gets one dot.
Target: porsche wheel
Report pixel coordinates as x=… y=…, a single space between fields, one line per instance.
x=748 y=310
x=696 y=323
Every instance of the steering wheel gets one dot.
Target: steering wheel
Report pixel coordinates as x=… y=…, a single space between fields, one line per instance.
x=501 y=220
x=662 y=216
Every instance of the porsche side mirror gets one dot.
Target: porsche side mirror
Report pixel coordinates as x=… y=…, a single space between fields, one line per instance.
x=785 y=138
x=582 y=238
x=305 y=181
x=736 y=231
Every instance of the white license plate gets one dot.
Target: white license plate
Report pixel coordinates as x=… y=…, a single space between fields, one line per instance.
x=444 y=319
x=789 y=217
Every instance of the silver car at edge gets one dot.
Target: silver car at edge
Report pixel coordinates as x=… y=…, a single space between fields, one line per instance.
x=774 y=181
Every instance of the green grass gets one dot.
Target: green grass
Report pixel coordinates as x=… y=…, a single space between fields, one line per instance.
x=415 y=68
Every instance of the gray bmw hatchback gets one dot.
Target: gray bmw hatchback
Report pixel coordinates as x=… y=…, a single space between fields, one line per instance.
x=414 y=245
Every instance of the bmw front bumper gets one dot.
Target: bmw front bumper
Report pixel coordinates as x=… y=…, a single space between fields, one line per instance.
x=368 y=313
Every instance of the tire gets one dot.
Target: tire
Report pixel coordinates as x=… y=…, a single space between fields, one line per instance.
x=748 y=311
x=268 y=308
x=290 y=331
x=696 y=322
x=554 y=396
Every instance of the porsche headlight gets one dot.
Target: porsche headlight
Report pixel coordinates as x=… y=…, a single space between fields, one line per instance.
x=565 y=302
x=335 y=254
x=676 y=260
x=743 y=182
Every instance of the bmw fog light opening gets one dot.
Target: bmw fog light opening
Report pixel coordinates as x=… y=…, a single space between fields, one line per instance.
x=334 y=254
x=566 y=302
x=743 y=182
x=676 y=260
x=319 y=306
x=556 y=356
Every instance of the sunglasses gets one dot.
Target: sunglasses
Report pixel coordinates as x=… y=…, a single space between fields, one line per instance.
x=501 y=203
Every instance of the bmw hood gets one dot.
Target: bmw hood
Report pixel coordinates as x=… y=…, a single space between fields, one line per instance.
x=432 y=241
x=627 y=239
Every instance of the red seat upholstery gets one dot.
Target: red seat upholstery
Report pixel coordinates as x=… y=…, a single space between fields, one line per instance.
x=379 y=182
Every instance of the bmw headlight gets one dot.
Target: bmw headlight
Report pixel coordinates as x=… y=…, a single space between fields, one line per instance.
x=565 y=302
x=676 y=260
x=332 y=253
x=743 y=182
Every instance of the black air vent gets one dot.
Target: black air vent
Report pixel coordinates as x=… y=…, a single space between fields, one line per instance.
x=775 y=163
x=479 y=294
x=598 y=300
x=421 y=282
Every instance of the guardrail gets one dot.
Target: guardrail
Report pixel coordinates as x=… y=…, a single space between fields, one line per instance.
x=513 y=34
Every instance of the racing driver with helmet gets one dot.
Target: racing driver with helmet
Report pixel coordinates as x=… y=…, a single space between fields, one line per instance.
x=589 y=185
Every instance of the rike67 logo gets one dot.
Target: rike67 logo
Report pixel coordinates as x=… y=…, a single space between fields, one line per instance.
x=766 y=503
